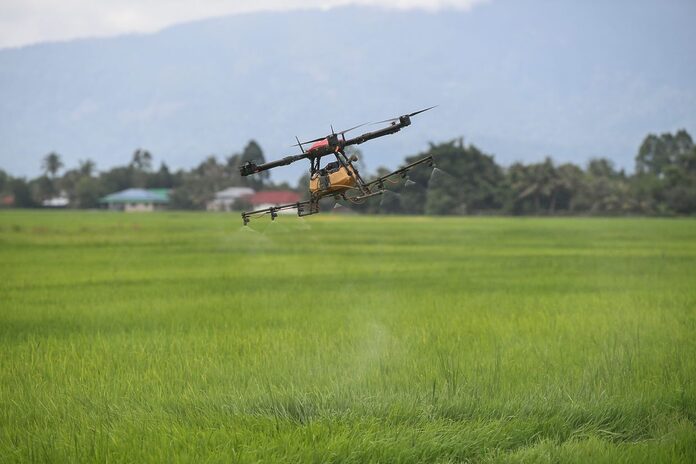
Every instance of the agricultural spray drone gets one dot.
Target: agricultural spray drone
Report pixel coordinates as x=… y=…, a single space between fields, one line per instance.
x=339 y=178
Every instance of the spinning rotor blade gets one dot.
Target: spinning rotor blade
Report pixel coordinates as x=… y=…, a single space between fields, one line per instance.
x=409 y=115
x=422 y=111
x=354 y=127
x=308 y=141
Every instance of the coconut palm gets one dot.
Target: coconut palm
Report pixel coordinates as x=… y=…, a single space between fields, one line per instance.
x=52 y=164
x=142 y=160
x=87 y=167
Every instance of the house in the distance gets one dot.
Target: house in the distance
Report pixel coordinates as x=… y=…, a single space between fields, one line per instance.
x=268 y=198
x=7 y=201
x=60 y=201
x=136 y=199
x=225 y=200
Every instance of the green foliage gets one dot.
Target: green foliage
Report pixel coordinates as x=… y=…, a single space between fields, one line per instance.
x=68 y=183
x=42 y=188
x=656 y=154
x=199 y=185
x=680 y=183
x=666 y=168
x=184 y=199
x=87 y=192
x=442 y=198
x=465 y=181
x=142 y=160
x=163 y=178
x=52 y=164
x=117 y=179
x=19 y=188
x=87 y=167
x=568 y=187
x=252 y=152
x=303 y=185
x=4 y=180
x=606 y=191
x=181 y=337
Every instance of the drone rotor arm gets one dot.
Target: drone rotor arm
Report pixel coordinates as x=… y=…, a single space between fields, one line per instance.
x=401 y=172
x=251 y=168
x=396 y=125
x=373 y=135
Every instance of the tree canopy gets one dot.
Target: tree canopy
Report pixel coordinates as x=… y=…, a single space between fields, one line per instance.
x=464 y=180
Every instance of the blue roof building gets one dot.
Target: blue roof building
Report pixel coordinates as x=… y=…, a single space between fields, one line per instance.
x=136 y=199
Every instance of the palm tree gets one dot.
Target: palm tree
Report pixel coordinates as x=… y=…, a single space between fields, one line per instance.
x=87 y=167
x=526 y=183
x=142 y=160
x=52 y=164
x=550 y=182
x=570 y=182
x=535 y=182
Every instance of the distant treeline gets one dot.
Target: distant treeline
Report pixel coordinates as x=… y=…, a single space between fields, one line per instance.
x=465 y=181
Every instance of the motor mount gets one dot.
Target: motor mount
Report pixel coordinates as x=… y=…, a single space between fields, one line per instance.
x=248 y=168
x=332 y=140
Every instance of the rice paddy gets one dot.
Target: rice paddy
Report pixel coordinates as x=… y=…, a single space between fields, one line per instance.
x=184 y=337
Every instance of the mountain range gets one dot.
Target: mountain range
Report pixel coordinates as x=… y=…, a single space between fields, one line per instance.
x=520 y=79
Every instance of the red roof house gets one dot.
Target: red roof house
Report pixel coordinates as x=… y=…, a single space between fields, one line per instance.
x=268 y=198
x=7 y=200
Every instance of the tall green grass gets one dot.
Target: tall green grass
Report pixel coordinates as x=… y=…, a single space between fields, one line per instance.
x=185 y=337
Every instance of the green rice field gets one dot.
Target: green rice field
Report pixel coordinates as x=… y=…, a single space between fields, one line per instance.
x=184 y=337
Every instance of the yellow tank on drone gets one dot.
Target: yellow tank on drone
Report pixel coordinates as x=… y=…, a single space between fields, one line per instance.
x=334 y=179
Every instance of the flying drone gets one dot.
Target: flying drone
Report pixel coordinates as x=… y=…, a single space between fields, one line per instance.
x=339 y=178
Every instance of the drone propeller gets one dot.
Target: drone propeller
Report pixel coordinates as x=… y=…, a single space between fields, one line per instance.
x=308 y=141
x=354 y=127
x=299 y=144
x=422 y=111
x=409 y=115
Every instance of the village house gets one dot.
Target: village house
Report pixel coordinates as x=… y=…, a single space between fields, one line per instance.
x=268 y=198
x=7 y=200
x=60 y=201
x=137 y=200
x=225 y=200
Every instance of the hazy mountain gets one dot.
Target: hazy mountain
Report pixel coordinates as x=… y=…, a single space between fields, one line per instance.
x=521 y=79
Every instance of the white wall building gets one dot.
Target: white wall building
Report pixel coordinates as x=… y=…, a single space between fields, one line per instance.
x=225 y=199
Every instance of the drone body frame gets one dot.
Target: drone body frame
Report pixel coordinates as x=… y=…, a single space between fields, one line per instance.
x=340 y=179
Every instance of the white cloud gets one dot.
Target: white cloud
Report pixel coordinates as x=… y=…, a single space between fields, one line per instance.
x=24 y=22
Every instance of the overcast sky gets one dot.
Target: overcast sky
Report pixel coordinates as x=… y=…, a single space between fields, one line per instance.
x=24 y=22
